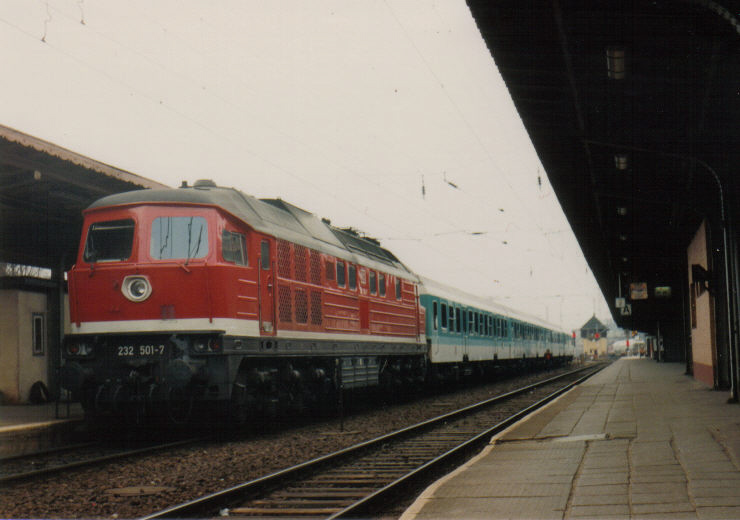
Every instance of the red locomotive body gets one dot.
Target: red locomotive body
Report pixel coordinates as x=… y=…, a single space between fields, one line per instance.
x=206 y=295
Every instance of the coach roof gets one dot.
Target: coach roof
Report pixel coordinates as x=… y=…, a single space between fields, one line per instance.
x=271 y=216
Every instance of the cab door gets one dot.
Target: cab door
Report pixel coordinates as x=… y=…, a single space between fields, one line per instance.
x=266 y=282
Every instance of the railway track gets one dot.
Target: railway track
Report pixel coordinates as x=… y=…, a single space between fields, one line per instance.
x=75 y=456
x=361 y=480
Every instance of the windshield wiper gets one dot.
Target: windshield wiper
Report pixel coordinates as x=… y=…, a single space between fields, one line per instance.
x=166 y=237
x=197 y=245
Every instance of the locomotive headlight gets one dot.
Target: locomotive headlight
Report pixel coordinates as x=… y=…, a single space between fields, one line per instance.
x=80 y=348
x=136 y=288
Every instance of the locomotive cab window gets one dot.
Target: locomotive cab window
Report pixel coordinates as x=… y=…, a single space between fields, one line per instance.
x=265 y=255
x=398 y=288
x=234 y=247
x=181 y=238
x=341 y=274
x=109 y=241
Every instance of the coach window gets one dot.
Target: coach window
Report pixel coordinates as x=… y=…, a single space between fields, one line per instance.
x=381 y=284
x=444 y=315
x=458 y=320
x=471 y=325
x=451 y=317
x=352 y=277
x=398 y=288
x=234 y=247
x=374 y=283
x=435 y=317
x=341 y=274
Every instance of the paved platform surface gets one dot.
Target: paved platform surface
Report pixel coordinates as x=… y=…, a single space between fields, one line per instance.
x=22 y=416
x=638 y=440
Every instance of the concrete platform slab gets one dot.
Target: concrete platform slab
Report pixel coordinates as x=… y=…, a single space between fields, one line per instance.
x=639 y=440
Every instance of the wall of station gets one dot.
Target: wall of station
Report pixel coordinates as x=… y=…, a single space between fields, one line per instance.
x=594 y=349
x=703 y=344
x=24 y=344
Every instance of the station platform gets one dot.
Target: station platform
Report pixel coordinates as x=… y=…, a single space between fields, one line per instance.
x=31 y=415
x=26 y=428
x=638 y=440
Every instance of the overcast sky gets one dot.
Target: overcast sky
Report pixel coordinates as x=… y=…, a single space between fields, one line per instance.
x=386 y=116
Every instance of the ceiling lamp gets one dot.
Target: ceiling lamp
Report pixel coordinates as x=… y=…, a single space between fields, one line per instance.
x=621 y=211
x=623 y=238
x=615 y=65
x=620 y=161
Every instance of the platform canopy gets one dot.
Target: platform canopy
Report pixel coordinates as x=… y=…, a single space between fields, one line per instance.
x=634 y=110
x=43 y=190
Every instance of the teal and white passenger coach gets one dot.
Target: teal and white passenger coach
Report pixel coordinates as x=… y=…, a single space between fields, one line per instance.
x=462 y=328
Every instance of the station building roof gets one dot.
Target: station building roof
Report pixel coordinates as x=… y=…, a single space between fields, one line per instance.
x=632 y=108
x=43 y=190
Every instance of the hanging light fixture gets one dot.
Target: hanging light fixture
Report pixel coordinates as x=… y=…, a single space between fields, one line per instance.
x=620 y=161
x=615 y=62
x=621 y=211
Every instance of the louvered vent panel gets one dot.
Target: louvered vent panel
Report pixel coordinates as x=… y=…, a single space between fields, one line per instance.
x=301 y=306
x=300 y=254
x=316 y=311
x=283 y=252
x=285 y=311
x=315 y=267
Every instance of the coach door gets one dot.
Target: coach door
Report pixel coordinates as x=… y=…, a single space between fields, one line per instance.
x=266 y=281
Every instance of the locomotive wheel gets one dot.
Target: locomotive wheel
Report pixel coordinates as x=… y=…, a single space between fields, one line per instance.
x=239 y=409
x=179 y=405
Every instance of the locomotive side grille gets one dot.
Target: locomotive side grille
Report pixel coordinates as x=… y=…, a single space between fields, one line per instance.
x=301 y=306
x=315 y=267
x=285 y=311
x=316 y=311
x=283 y=260
x=299 y=259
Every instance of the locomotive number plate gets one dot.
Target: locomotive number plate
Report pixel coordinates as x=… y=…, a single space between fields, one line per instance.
x=140 y=350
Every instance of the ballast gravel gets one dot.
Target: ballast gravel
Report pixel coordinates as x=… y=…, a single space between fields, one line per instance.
x=138 y=487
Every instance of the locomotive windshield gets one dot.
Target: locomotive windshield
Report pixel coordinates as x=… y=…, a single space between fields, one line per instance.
x=109 y=241
x=179 y=238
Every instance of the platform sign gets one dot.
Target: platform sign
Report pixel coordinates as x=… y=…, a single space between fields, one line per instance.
x=638 y=291
x=626 y=310
x=662 y=292
x=619 y=303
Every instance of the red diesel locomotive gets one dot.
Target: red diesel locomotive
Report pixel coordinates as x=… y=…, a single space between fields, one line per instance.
x=204 y=296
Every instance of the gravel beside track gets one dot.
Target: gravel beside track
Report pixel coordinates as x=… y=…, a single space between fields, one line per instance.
x=186 y=473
